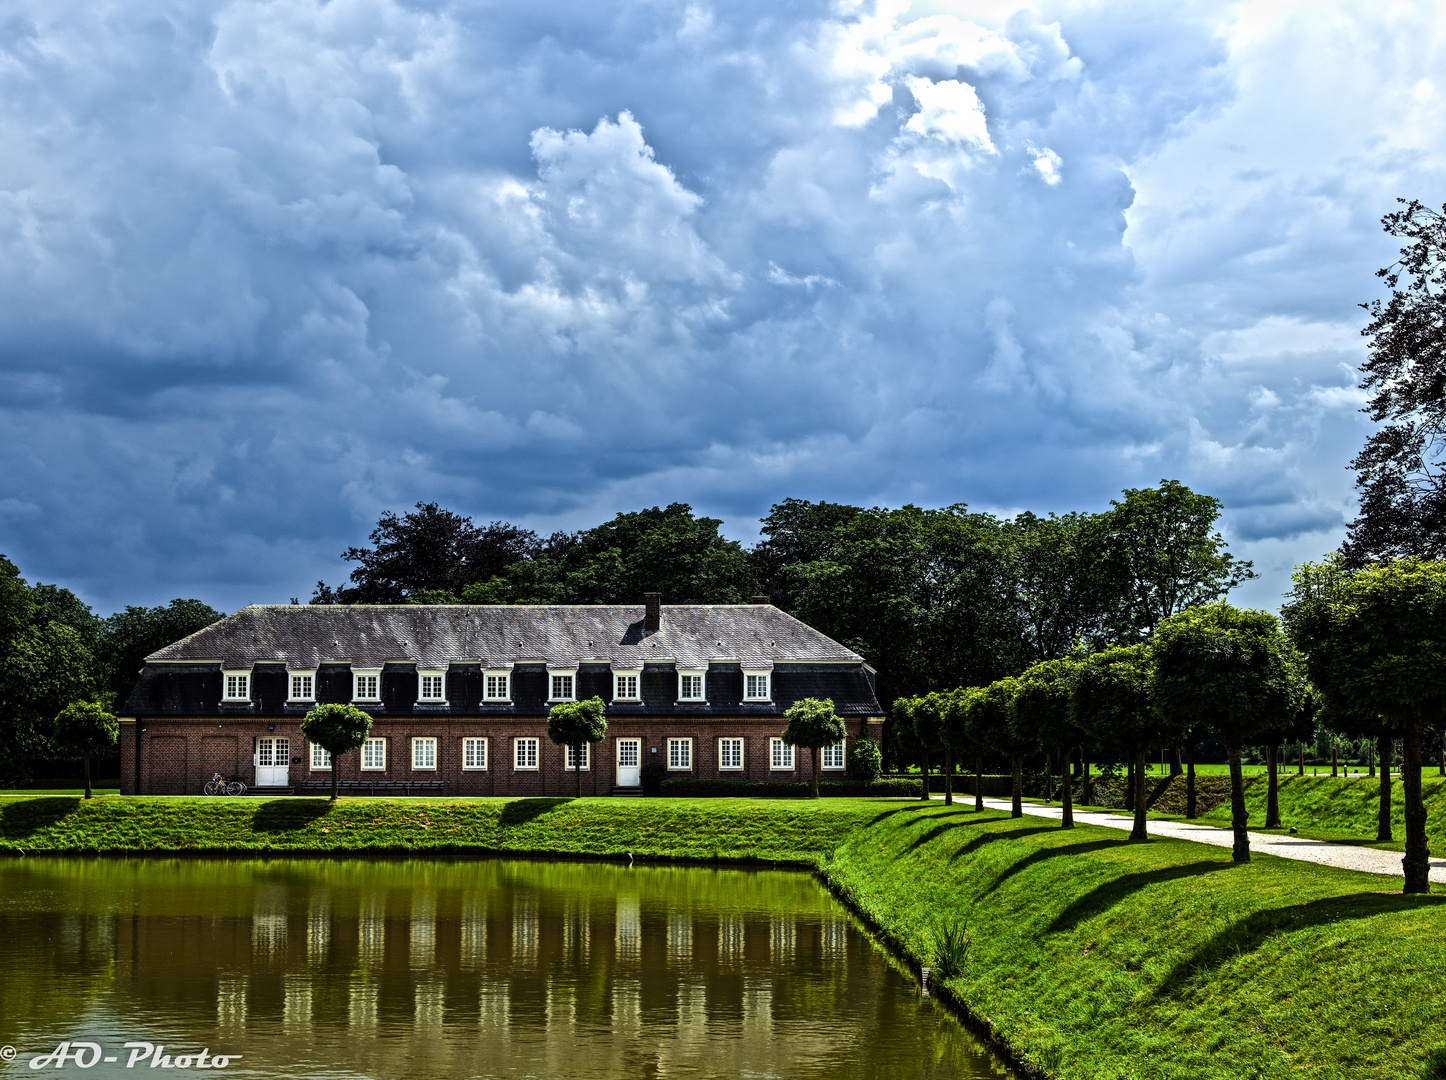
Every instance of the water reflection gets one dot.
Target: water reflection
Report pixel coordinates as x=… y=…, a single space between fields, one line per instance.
x=461 y=969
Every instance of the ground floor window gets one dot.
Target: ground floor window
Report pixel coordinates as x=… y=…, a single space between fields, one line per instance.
x=781 y=756
x=524 y=753
x=680 y=753
x=474 y=753
x=730 y=753
x=572 y=757
x=833 y=756
x=424 y=753
x=374 y=755
x=320 y=759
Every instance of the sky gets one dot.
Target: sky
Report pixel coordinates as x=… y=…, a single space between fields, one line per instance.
x=269 y=269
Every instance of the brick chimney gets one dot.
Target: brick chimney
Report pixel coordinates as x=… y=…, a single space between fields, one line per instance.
x=652 y=612
x=762 y=600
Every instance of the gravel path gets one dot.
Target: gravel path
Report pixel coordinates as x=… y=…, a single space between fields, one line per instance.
x=1346 y=856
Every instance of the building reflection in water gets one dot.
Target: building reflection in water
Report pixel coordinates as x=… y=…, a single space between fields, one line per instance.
x=506 y=969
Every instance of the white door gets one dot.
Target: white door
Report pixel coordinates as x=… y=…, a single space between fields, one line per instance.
x=630 y=751
x=273 y=761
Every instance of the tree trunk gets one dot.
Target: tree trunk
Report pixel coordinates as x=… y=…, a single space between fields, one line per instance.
x=978 y=781
x=1138 y=832
x=1175 y=767
x=1272 y=804
x=1238 y=816
x=335 y=767
x=1417 y=863
x=1333 y=757
x=1130 y=772
x=1190 y=804
x=924 y=768
x=1066 y=795
x=1017 y=807
x=85 y=760
x=1300 y=766
x=949 y=776
x=1085 y=774
x=1383 y=813
x=577 y=770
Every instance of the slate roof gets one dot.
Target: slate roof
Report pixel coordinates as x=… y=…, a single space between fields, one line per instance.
x=304 y=637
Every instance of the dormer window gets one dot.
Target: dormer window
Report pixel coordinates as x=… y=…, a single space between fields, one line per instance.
x=625 y=686
x=560 y=685
x=432 y=687
x=690 y=685
x=236 y=685
x=496 y=686
x=756 y=686
x=366 y=685
x=302 y=685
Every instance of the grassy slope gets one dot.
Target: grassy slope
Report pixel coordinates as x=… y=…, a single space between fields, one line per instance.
x=1092 y=956
x=1337 y=808
x=1095 y=957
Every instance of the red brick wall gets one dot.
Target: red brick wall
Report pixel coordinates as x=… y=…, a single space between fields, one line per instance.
x=178 y=756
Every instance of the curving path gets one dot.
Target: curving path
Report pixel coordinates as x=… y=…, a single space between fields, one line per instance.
x=1346 y=856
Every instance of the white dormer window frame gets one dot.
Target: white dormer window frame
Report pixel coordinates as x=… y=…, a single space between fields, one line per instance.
x=431 y=686
x=236 y=685
x=693 y=685
x=497 y=686
x=366 y=685
x=301 y=686
x=561 y=684
x=627 y=686
x=757 y=686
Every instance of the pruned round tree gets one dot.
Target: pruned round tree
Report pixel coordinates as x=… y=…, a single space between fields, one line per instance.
x=927 y=715
x=1233 y=669
x=1041 y=714
x=1112 y=702
x=954 y=732
x=337 y=729
x=988 y=712
x=1374 y=647
x=85 y=729
x=577 y=723
x=865 y=759
x=813 y=723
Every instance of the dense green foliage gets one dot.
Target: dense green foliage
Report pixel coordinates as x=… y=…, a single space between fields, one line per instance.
x=812 y=723
x=575 y=723
x=85 y=729
x=865 y=760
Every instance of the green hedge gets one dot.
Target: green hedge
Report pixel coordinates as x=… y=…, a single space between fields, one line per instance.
x=793 y=789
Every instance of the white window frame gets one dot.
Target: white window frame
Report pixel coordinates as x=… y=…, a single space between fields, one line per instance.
x=702 y=677
x=637 y=685
x=309 y=687
x=767 y=677
x=376 y=744
x=424 y=743
x=520 y=759
x=826 y=753
x=320 y=758
x=235 y=686
x=357 y=675
x=422 y=677
x=553 y=674
x=470 y=744
x=721 y=757
x=686 y=744
x=567 y=765
x=780 y=751
x=497 y=673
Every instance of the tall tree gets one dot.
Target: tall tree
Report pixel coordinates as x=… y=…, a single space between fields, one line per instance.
x=795 y=532
x=48 y=668
x=1401 y=471
x=1164 y=555
x=129 y=636
x=813 y=723
x=1373 y=645
x=1063 y=581
x=1233 y=669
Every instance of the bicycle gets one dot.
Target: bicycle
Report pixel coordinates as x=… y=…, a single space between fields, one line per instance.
x=219 y=785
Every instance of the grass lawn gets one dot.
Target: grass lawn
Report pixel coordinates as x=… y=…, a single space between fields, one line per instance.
x=1090 y=956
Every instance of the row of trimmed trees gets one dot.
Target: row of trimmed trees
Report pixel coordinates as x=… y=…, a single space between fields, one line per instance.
x=1364 y=651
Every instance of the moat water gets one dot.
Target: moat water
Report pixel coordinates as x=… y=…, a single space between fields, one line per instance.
x=430 y=969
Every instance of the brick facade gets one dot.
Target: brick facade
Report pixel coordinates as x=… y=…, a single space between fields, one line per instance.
x=178 y=755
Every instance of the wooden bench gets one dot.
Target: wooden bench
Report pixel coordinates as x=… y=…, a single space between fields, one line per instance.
x=374 y=787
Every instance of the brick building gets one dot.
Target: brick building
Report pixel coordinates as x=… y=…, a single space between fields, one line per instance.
x=459 y=696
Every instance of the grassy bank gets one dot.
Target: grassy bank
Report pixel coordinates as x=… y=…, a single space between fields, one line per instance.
x=1341 y=808
x=1090 y=956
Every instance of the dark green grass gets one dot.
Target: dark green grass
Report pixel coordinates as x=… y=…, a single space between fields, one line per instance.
x=796 y=831
x=1096 y=957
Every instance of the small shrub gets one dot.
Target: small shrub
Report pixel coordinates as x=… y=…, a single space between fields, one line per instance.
x=652 y=777
x=866 y=761
x=787 y=789
x=952 y=949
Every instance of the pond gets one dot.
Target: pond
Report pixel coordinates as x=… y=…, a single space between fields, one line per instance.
x=491 y=968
